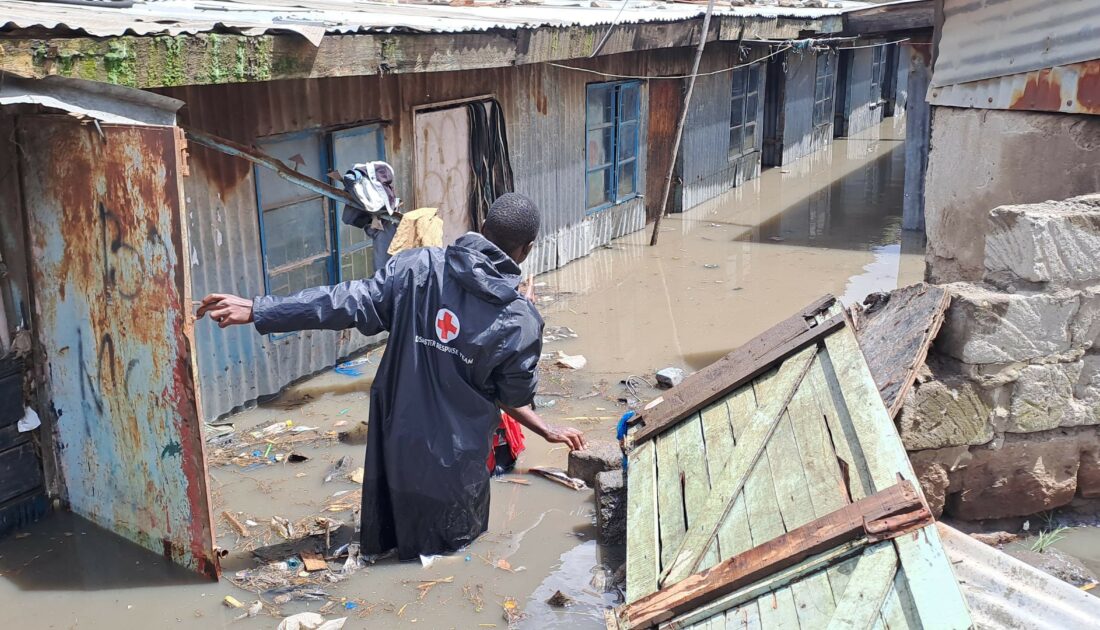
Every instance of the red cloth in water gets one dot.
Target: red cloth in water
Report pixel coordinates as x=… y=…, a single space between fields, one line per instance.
x=513 y=435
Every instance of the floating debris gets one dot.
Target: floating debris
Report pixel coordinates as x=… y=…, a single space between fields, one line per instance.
x=557 y=333
x=573 y=362
x=339 y=469
x=560 y=600
x=557 y=475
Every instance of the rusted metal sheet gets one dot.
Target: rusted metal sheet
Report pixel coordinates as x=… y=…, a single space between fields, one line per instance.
x=107 y=243
x=984 y=39
x=1070 y=89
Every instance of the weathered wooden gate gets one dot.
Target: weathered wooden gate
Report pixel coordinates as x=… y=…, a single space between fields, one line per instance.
x=109 y=275
x=771 y=490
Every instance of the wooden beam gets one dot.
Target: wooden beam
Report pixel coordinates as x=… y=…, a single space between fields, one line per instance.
x=861 y=604
x=737 y=368
x=890 y=18
x=895 y=333
x=818 y=536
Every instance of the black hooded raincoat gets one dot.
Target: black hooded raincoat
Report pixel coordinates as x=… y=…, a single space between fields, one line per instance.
x=462 y=340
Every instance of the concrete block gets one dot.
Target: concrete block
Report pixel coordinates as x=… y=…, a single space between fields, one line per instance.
x=600 y=456
x=670 y=377
x=935 y=469
x=610 y=508
x=947 y=410
x=1025 y=475
x=1042 y=398
x=986 y=326
x=1055 y=242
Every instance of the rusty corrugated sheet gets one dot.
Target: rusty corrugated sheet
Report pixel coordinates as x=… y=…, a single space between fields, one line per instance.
x=984 y=39
x=107 y=242
x=1072 y=89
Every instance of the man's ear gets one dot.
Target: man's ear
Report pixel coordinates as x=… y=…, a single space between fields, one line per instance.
x=524 y=252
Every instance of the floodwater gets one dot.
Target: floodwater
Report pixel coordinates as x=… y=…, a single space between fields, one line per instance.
x=721 y=274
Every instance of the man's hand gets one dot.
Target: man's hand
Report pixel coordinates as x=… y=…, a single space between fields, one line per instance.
x=566 y=435
x=555 y=435
x=227 y=310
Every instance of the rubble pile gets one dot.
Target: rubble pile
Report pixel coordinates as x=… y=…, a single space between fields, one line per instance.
x=1004 y=421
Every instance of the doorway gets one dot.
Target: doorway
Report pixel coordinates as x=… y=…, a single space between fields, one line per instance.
x=774 y=97
x=843 y=94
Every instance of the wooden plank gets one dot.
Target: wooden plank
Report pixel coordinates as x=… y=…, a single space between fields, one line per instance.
x=736 y=369
x=766 y=594
x=678 y=468
x=815 y=537
x=894 y=332
x=861 y=604
x=718 y=436
x=842 y=435
x=641 y=540
x=696 y=480
x=936 y=593
x=898 y=612
x=737 y=467
x=890 y=18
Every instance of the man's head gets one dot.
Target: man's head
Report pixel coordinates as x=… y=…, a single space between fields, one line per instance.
x=512 y=225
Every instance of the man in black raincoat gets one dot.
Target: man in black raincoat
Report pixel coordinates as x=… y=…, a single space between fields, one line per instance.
x=463 y=344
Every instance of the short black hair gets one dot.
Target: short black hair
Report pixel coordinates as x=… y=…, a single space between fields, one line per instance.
x=512 y=222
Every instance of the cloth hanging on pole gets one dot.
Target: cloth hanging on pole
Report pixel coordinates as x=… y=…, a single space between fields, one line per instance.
x=371 y=184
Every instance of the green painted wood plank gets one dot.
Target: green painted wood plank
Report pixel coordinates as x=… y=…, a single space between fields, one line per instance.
x=841 y=432
x=936 y=593
x=746 y=617
x=860 y=606
x=718 y=436
x=899 y=612
x=777 y=610
x=693 y=455
x=641 y=539
x=670 y=490
x=840 y=574
x=734 y=535
x=729 y=483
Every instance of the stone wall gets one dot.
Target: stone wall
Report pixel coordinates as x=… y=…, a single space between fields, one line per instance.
x=979 y=159
x=1004 y=419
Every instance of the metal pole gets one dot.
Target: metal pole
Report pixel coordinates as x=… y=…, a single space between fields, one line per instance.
x=683 y=119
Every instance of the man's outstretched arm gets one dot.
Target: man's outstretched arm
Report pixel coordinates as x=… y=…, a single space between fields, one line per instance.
x=562 y=435
x=362 y=304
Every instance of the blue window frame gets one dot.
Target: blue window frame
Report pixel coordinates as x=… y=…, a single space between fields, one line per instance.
x=612 y=128
x=302 y=240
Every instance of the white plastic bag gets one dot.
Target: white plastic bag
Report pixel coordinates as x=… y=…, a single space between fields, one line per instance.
x=29 y=422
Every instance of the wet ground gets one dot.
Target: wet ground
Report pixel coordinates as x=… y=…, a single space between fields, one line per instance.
x=721 y=274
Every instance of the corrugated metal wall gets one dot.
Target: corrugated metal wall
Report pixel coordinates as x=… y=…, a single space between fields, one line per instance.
x=799 y=136
x=864 y=104
x=707 y=169
x=544 y=113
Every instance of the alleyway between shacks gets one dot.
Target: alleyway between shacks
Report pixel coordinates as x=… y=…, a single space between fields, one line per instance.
x=721 y=274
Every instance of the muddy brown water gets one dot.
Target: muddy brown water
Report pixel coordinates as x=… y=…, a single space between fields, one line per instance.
x=721 y=274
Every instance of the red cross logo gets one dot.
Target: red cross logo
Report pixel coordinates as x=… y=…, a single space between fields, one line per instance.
x=446 y=325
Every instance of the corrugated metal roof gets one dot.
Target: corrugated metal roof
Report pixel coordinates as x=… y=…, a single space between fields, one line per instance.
x=983 y=39
x=1072 y=89
x=313 y=18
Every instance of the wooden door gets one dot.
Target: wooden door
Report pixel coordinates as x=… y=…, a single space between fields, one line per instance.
x=665 y=104
x=443 y=170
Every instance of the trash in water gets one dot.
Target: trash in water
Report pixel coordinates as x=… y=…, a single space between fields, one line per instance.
x=574 y=362
x=544 y=402
x=253 y=610
x=428 y=561
x=557 y=333
x=515 y=480
x=426 y=585
x=356 y=475
x=777 y=239
x=354 y=435
x=560 y=600
x=29 y=422
x=512 y=612
x=670 y=377
x=338 y=469
x=296 y=458
x=237 y=525
x=558 y=475
x=350 y=606
x=282 y=527
x=285 y=594
x=313 y=561
x=232 y=602
x=215 y=433
x=310 y=621
x=351 y=368
x=710 y=266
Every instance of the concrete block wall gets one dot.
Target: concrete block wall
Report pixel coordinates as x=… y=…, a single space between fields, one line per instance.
x=1005 y=421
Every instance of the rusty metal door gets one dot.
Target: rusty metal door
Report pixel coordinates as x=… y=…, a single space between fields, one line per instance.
x=443 y=170
x=110 y=284
x=665 y=103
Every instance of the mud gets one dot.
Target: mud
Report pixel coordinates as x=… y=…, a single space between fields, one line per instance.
x=721 y=274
